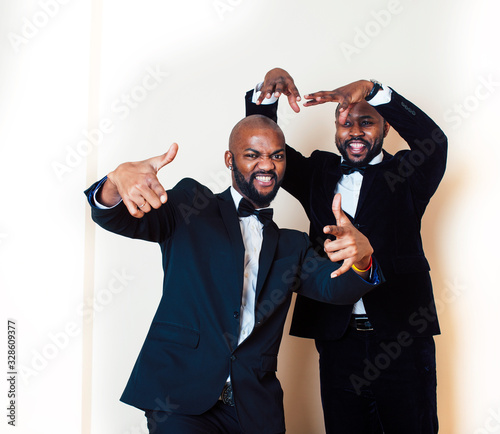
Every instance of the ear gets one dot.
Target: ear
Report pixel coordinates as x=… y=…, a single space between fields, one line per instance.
x=228 y=158
x=387 y=127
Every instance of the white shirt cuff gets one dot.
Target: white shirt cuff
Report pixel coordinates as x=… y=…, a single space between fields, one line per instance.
x=101 y=206
x=383 y=96
x=256 y=94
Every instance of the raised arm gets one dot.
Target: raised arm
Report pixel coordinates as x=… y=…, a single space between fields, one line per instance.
x=346 y=96
x=277 y=82
x=424 y=166
x=130 y=201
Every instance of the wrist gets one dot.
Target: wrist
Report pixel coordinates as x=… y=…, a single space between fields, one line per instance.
x=364 y=265
x=374 y=87
x=366 y=86
x=108 y=194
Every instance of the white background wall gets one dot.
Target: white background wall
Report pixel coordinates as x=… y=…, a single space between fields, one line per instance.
x=68 y=68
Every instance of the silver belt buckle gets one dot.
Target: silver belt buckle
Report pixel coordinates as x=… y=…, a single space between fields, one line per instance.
x=366 y=322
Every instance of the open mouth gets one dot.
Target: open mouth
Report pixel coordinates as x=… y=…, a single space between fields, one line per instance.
x=264 y=179
x=357 y=147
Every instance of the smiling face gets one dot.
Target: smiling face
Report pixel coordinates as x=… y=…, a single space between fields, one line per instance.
x=257 y=157
x=361 y=137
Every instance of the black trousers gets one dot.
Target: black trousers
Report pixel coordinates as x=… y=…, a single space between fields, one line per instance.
x=370 y=386
x=220 y=419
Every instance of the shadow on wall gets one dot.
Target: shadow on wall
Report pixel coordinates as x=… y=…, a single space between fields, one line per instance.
x=447 y=290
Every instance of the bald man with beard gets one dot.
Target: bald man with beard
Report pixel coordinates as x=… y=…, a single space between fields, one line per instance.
x=208 y=364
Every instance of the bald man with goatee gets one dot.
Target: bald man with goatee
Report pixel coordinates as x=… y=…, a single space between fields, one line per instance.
x=209 y=360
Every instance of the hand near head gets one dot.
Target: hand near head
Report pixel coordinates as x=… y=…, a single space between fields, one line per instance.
x=137 y=184
x=277 y=81
x=350 y=245
x=346 y=96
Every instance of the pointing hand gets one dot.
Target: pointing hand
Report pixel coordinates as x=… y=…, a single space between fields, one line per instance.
x=137 y=184
x=350 y=245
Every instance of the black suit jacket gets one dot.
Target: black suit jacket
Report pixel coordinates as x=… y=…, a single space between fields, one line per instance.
x=393 y=198
x=191 y=347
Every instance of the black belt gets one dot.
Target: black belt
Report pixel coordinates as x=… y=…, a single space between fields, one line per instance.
x=361 y=323
x=227 y=395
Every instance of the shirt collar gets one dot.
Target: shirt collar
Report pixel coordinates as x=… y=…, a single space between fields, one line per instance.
x=236 y=197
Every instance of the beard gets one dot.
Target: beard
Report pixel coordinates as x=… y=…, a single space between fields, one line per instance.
x=373 y=150
x=248 y=189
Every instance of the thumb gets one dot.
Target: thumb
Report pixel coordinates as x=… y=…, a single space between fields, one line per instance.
x=166 y=158
x=340 y=216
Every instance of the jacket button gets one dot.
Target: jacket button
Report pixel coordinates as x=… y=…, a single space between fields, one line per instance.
x=233 y=358
x=236 y=314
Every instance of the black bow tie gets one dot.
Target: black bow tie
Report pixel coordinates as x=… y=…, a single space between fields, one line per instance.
x=347 y=168
x=246 y=209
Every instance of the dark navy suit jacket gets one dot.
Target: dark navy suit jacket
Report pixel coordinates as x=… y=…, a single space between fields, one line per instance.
x=191 y=347
x=393 y=198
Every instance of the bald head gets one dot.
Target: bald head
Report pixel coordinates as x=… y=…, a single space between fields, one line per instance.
x=251 y=125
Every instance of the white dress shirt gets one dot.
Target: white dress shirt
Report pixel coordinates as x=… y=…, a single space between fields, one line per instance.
x=251 y=231
x=349 y=186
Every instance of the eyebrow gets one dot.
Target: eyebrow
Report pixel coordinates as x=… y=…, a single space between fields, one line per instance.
x=258 y=152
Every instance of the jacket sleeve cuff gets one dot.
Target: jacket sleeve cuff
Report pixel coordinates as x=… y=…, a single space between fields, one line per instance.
x=383 y=96
x=91 y=195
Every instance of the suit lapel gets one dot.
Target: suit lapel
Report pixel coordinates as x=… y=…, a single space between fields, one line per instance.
x=269 y=244
x=368 y=178
x=230 y=218
x=330 y=183
x=370 y=174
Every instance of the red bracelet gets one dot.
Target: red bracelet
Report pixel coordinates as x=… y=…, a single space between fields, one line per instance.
x=363 y=271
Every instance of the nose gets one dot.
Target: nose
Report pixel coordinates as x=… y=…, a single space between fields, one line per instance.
x=266 y=163
x=356 y=130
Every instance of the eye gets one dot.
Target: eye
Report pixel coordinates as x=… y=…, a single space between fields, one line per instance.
x=251 y=156
x=366 y=123
x=278 y=157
